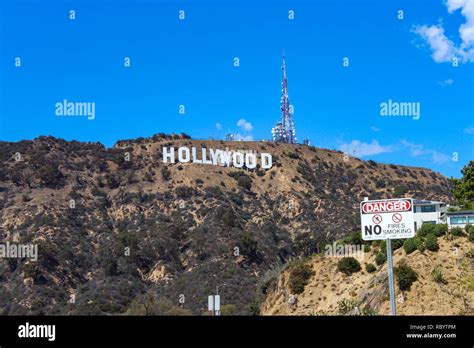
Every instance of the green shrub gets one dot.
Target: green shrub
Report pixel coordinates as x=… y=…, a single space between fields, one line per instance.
x=293 y=155
x=425 y=229
x=345 y=306
x=370 y=268
x=353 y=238
x=400 y=191
x=397 y=244
x=420 y=243
x=409 y=245
x=405 y=276
x=245 y=182
x=431 y=243
x=184 y=192
x=49 y=174
x=365 y=311
x=380 y=258
x=440 y=230
x=149 y=304
x=469 y=229
x=228 y=309
x=165 y=173
x=457 y=232
x=471 y=236
x=437 y=275
x=348 y=265
x=249 y=247
x=470 y=253
x=300 y=274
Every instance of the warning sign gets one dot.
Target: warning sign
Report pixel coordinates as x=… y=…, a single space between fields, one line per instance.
x=387 y=219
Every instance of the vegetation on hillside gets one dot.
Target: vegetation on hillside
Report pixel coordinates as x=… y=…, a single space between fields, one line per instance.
x=463 y=190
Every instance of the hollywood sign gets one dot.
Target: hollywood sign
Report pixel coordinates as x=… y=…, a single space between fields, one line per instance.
x=216 y=157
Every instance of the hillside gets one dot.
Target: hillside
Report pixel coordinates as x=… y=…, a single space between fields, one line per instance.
x=187 y=227
x=331 y=292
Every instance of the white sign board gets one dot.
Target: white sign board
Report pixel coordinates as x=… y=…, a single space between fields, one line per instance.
x=387 y=219
x=210 y=303
x=214 y=303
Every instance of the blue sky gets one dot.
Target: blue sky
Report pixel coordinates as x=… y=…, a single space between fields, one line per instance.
x=190 y=62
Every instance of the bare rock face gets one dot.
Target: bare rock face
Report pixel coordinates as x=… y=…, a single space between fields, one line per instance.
x=113 y=225
x=376 y=292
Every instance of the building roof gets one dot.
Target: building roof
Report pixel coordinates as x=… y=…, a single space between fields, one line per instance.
x=423 y=202
x=461 y=212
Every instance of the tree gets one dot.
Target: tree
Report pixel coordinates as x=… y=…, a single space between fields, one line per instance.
x=249 y=247
x=463 y=190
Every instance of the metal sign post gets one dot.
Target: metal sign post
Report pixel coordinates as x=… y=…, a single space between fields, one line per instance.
x=390 y=277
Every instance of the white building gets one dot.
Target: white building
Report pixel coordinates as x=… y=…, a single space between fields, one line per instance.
x=429 y=212
x=460 y=218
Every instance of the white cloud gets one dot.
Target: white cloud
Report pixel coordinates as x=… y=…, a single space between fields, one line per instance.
x=438 y=157
x=443 y=49
x=466 y=30
x=447 y=82
x=361 y=149
x=218 y=126
x=469 y=130
x=244 y=125
x=417 y=150
x=240 y=137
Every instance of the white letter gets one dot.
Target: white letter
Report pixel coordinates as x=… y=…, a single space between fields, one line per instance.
x=193 y=152
x=417 y=110
x=52 y=335
x=240 y=162
x=21 y=331
x=266 y=160
x=214 y=155
x=250 y=161
x=59 y=109
x=181 y=152
x=168 y=154
x=224 y=157
x=204 y=159
x=91 y=110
